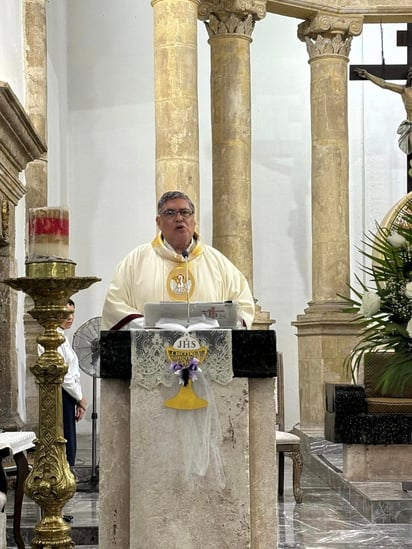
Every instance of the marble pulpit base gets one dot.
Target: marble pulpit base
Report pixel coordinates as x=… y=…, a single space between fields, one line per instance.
x=144 y=506
x=114 y=464
x=3 y=523
x=379 y=462
x=194 y=512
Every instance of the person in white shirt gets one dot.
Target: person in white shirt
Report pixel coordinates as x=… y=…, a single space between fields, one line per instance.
x=74 y=402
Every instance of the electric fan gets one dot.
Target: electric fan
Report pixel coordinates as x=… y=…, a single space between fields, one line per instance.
x=86 y=344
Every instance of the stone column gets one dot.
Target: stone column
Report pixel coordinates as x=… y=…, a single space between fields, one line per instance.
x=35 y=45
x=325 y=335
x=176 y=110
x=230 y=26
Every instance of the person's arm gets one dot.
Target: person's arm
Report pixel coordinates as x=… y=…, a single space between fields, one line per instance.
x=81 y=407
x=363 y=73
x=237 y=289
x=246 y=302
x=118 y=312
x=71 y=383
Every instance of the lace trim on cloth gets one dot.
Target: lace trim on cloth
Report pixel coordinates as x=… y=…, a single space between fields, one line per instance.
x=150 y=366
x=194 y=449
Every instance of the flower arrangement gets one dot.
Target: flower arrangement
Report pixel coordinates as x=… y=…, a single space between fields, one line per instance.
x=385 y=308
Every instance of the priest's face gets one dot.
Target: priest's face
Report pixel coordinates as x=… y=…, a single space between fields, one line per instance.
x=177 y=223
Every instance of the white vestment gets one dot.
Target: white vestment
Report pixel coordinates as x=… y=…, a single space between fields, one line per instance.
x=153 y=272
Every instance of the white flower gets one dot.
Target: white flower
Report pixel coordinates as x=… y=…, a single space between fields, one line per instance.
x=408 y=290
x=409 y=328
x=371 y=303
x=396 y=239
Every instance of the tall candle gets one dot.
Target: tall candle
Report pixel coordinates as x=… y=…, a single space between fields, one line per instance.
x=48 y=234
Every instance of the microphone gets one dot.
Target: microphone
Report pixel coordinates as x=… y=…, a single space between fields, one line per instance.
x=185 y=255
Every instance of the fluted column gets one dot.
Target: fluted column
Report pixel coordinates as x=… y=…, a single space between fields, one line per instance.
x=176 y=105
x=325 y=334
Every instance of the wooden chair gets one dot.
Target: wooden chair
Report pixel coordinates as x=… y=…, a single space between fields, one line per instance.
x=286 y=443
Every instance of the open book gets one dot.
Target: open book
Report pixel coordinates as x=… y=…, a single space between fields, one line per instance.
x=195 y=323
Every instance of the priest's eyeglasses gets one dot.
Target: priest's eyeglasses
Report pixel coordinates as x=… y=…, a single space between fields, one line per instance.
x=173 y=213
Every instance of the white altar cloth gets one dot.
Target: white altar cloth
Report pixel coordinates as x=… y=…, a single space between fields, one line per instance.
x=17 y=441
x=189 y=482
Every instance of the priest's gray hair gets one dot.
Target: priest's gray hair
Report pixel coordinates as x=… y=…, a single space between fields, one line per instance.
x=171 y=195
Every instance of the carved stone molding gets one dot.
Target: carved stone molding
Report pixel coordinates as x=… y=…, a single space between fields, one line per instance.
x=223 y=8
x=233 y=24
x=326 y=45
x=327 y=34
x=4 y=222
x=373 y=11
x=19 y=144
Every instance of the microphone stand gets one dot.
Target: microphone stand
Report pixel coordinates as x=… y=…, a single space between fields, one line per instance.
x=185 y=255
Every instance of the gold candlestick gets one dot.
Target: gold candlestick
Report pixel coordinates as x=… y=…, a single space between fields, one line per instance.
x=50 y=483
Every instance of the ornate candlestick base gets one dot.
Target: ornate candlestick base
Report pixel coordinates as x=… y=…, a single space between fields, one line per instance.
x=50 y=483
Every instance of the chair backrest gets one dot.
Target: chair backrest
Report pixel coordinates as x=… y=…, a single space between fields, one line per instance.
x=280 y=395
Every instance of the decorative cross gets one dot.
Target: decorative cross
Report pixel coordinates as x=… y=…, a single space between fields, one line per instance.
x=392 y=72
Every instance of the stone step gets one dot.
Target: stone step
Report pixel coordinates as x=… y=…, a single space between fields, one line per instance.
x=379 y=502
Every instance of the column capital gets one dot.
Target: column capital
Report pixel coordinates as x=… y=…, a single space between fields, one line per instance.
x=219 y=24
x=327 y=34
x=225 y=8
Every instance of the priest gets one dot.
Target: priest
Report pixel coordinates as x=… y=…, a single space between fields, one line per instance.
x=175 y=266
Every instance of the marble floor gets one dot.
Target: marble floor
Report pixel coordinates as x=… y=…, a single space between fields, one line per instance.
x=323 y=520
x=326 y=520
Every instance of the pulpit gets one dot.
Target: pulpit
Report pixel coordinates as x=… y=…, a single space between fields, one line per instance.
x=184 y=476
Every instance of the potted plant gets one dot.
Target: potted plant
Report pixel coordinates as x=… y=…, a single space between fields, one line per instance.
x=384 y=304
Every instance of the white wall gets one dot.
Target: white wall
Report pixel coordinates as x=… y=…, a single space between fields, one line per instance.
x=281 y=185
x=110 y=153
x=57 y=104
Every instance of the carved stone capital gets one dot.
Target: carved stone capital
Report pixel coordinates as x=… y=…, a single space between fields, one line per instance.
x=224 y=8
x=233 y=24
x=327 y=34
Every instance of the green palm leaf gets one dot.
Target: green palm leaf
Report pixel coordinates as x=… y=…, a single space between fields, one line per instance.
x=388 y=271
